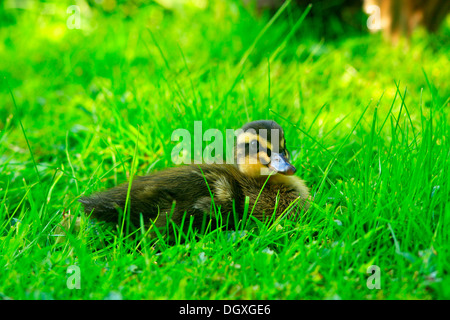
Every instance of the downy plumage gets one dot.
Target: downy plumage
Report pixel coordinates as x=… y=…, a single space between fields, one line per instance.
x=262 y=172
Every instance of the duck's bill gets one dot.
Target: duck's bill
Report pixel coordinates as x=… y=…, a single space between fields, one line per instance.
x=280 y=164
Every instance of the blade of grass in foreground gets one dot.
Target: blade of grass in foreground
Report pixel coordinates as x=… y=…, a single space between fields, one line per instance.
x=23 y=130
x=336 y=154
x=127 y=210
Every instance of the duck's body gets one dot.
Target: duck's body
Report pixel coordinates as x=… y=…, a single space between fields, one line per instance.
x=199 y=190
x=192 y=189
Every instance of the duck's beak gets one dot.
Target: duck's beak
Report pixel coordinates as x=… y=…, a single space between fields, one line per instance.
x=280 y=164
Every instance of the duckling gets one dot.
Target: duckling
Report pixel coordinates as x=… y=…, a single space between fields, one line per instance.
x=262 y=172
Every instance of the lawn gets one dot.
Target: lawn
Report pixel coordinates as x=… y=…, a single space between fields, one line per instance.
x=84 y=109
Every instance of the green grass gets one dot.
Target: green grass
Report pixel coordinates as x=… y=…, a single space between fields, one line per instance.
x=367 y=125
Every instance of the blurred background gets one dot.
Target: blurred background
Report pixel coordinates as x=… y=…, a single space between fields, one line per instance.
x=93 y=71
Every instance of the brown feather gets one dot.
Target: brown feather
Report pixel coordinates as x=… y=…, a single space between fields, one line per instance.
x=193 y=190
x=154 y=194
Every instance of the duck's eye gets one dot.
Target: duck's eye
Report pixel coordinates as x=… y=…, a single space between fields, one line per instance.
x=252 y=147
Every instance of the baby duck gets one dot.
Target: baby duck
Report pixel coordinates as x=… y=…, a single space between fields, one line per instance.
x=262 y=172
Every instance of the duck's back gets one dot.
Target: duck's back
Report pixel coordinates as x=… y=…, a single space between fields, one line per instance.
x=176 y=190
x=195 y=190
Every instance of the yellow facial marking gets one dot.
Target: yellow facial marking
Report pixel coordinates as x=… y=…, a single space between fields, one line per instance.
x=264 y=156
x=253 y=167
x=247 y=137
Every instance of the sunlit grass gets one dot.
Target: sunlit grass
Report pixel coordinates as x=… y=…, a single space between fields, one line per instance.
x=366 y=123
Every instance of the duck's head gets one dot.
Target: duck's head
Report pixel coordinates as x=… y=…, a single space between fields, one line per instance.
x=261 y=150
